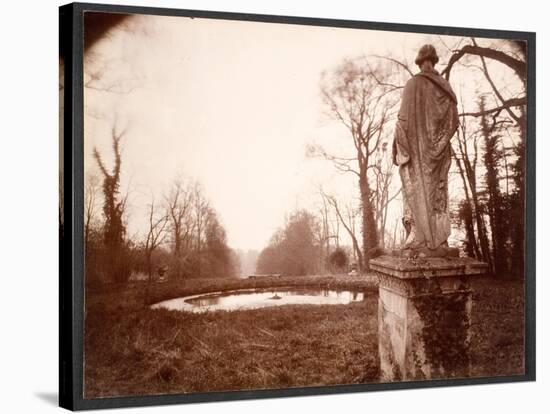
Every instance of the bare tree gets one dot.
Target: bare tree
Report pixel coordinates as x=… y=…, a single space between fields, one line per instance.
x=466 y=153
x=93 y=242
x=383 y=172
x=517 y=65
x=347 y=223
x=179 y=204
x=201 y=214
x=156 y=235
x=495 y=207
x=91 y=198
x=324 y=235
x=356 y=95
x=351 y=214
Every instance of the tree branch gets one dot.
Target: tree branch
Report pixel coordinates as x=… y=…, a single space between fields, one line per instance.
x=518 y=66
x=506 y=104
x=397 y=62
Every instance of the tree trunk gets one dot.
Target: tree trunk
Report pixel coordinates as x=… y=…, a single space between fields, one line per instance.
x=370 y=236
x=473 y=248
x=518 y=235
x=148 y=260
x=482 y=231
x=496 y=217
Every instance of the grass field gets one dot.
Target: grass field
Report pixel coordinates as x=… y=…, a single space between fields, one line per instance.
x=131 y=349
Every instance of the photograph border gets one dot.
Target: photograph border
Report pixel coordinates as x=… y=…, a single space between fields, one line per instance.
x=71 y=249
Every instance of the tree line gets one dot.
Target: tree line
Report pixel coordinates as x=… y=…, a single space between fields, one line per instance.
x=183 y=237
x=297 y=249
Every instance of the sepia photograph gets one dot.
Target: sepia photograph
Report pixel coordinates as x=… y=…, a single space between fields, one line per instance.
x=272 y=205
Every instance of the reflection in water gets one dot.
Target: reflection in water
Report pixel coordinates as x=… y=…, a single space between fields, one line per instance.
x=254 y=299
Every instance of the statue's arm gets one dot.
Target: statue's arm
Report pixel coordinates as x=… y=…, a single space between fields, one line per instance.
x=400 y=147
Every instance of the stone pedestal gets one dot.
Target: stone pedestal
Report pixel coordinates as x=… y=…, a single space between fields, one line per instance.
x=424 y=309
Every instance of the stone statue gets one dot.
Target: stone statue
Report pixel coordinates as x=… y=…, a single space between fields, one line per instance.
x=427 y=120
x=414 y=342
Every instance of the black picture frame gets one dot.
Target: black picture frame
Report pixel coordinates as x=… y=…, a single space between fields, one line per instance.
x=71 y=256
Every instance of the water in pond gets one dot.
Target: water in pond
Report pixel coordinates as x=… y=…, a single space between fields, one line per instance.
x=254 y=299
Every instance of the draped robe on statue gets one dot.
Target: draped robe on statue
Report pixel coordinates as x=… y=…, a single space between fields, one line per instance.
x=428 y=118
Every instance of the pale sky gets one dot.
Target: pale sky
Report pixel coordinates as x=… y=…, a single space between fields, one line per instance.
x=231 y=104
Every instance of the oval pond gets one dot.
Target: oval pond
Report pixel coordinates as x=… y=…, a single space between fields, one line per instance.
x=260 y=298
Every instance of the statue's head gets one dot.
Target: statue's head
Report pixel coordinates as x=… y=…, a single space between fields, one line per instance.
x=426 y=53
